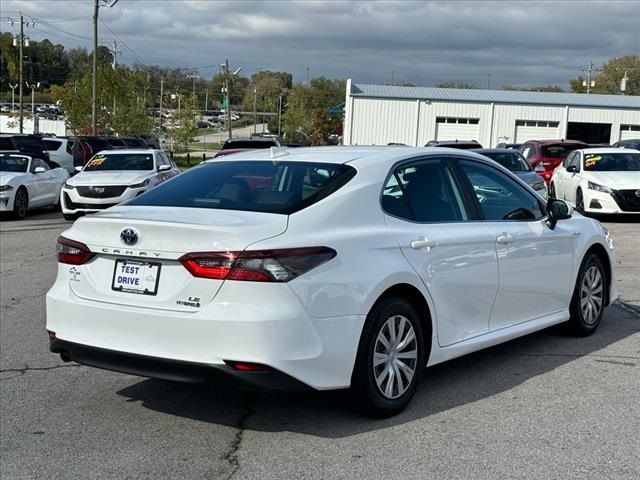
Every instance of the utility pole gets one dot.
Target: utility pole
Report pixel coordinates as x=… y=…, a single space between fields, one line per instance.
x=206 y=99
x=279 y=114
x=114 y=51
x=96 y=7
x=255 y=113
x=227 y=85
x=392 y=79
x=21 y=73
x=589 y=71
x=307 y=76
x=161 y=93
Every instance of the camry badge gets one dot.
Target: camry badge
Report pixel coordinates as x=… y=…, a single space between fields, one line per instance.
x=129 y=236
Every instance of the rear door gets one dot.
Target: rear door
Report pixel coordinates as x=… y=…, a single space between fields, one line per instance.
x=535 y=263
x=454 y=256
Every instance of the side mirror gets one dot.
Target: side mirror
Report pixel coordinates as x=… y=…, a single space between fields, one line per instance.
x=78 y=168
x=572 y=169
x=40 y=170
x=557 y=210
x=164 y=168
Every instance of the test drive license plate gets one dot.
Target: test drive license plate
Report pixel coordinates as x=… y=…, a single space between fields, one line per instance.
x=136 y=277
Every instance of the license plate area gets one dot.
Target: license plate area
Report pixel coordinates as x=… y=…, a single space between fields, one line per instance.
x=132 y=276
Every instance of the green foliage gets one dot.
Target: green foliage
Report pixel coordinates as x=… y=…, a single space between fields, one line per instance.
x=608 y=80
x=546 y=88
x=307 y=110
x=119 y=108
x=186 y=131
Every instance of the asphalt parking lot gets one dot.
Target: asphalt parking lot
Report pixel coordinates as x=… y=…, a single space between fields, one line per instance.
x=543 y=406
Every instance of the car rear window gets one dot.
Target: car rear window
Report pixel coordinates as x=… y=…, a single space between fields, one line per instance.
x=5 y=144
x=52 y=145
x=559 y=151
x=513 y=161
x=253 y=186
x=28 y=143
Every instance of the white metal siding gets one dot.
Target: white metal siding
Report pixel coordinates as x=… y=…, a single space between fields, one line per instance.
x=535 y=133
x=413 y=121
x=455 y=131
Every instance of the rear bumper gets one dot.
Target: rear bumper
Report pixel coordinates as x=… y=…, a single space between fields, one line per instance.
x=153 y=367
x=247 y=322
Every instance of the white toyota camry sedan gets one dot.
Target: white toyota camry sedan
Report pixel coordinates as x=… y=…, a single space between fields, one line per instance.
x=324 y=268
x=27 y=182
x=599 y=180
x=113 y=176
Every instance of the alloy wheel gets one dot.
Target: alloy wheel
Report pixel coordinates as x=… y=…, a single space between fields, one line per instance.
x=21 y=204
x=395 y=356
x=591 y=294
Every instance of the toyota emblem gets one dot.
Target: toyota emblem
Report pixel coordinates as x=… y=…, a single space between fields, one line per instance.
x=638 y=193
x=129 y=236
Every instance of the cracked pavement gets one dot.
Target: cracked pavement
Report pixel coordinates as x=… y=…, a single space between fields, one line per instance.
x=543 y=406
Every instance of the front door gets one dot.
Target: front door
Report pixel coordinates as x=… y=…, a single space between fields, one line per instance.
x=455 y=257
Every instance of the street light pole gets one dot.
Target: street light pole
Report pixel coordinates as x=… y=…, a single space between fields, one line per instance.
x=33 y=87
x=13 y=96
x=255 y=113
x=21 y=73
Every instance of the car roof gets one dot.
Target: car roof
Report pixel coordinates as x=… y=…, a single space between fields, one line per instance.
x=494 y=150
x=606 y=150
x=125 y=151
x=356 y=155
x=547 y=142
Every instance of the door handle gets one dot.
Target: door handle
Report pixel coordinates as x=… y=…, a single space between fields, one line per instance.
x=422 y=242
x=504 y=238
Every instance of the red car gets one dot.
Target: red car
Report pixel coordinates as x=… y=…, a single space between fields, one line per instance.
x=236 y=145
x=545 y=155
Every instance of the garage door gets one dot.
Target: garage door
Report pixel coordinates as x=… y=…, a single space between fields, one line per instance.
x=536 y=130
x=629 y=132
x=448 y=128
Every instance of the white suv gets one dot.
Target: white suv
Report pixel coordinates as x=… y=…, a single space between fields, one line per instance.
x=113 y=176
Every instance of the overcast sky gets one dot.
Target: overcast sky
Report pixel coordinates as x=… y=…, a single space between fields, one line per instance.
x=525 y=43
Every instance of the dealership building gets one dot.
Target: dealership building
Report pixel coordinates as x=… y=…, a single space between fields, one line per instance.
x=383 y=114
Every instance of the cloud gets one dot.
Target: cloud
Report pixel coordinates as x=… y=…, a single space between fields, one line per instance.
x=522 y=43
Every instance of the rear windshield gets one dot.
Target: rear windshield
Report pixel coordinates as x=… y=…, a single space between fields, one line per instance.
x=612 y=162
x=282 y=187
x=120 y=161
x=513 y=161
x=560 y=150
x=52 y=145
x=247 y=144
x=29 y=143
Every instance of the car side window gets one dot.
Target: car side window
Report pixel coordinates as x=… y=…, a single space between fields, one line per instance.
x=575 y=160
x=500 y=197
x=424 y=191
x=568 y=159
x=35 y=163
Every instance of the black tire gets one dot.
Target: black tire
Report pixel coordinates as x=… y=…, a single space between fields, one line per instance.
x=582 y=323
x=71 y=217
x=21 y=203
x=366 y=396
x=579 y=202
x=552 y=190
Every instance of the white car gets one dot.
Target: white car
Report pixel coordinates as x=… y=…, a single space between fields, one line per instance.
x=27 y=183
x=60 y=151
x=325 y=268
x=599 y=180
x=113 y=176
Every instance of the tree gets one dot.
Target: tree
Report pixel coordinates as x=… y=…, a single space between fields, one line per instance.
x=609 y=79
x=186 y=131
x=546 y=88
x=119 y=110
x=307 y=111
x=462 y=85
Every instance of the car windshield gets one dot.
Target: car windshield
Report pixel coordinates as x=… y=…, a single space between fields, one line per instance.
x=513 y=161
x=254 y=186
x=612 y=162
x=120 y=161
x=13 y=163
x=559 y=150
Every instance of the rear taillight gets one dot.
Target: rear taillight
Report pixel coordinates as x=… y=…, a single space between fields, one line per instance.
x=256 y=266
x=72 y=252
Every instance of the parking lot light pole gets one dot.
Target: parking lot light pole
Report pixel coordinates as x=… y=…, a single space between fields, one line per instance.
x=255 y=112
x=13 y=96
x=33 y=87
